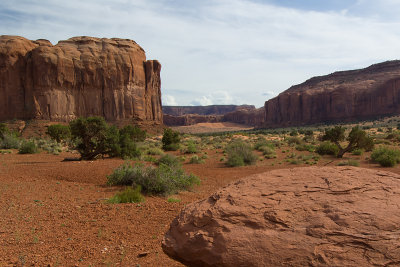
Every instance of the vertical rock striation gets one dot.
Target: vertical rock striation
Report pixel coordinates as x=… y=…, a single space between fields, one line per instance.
x=341 y=96
x=82 y=76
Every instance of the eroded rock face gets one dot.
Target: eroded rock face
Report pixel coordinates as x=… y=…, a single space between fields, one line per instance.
x=329 y=216
x=82 y=76
x=341 y=96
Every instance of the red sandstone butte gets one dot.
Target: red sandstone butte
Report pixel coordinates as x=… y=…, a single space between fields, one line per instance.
x=81 y=76
x=339 y=97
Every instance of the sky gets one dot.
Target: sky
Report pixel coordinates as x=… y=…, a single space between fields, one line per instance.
x=224 y=51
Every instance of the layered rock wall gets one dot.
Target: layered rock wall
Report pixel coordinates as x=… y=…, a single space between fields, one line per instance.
x=82 y=76
x=341 y=96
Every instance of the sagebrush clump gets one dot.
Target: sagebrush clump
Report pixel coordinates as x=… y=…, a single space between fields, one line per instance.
x=163 y=180
x=240 y=154
x=386 y=156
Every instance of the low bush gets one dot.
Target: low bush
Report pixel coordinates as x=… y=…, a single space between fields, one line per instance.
x=240 y=154
x=305 y=147
x=196 y=160
x=10 y=141
x=3 y=130
x=50 y=146
x=155 y=151
x=349 y=162
x=28 y=147
x=164 y=180
x=129 y=195
x=169 y=160
x=293 y=141
x=170 y=140
x=191 y=148
x=134 y=133
x=357 y=152
x=327 y=148
x=385 y=156
x=268 y=152
x=59 y=132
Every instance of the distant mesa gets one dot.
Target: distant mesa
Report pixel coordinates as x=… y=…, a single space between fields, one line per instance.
x=339 y=97
x=81 y=76
x=189 y=115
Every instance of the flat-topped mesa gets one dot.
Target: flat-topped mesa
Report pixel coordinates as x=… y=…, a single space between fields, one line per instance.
x=81 y=76
x=341 y=96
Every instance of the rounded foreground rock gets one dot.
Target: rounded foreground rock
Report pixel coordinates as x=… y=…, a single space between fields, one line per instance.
x=314 y=216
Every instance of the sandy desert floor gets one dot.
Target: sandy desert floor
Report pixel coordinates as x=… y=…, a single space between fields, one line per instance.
x=54 y=213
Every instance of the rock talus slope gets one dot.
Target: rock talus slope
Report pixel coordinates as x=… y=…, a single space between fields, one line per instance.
x=81 y=76
x=341 y=96
x=329 y=216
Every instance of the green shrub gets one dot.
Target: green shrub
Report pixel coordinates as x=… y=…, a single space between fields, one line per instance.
x=3 y=130
x=28 y=147
x=173 y=200
x=170 y=140
x=349 y=162
x=92 y=137
x=50 y=146
x=293 y=141
x=191 y=148
x=239 y=154
x=129 y=195
x=305 y=147
x=164 y=180
x=134 y=133
x=268 y=152
x=358 y=152
x=327 y=148
x=10 y=141
x=59 y=132
x=385 y=156
x=169 y=160
x=196 y=160
x=125 y=144
x=149 y=158
x=155 y=151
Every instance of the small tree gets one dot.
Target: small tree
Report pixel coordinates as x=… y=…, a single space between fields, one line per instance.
x=59 y=132
x=357 y=139
x=170 y=140
x=92 y=136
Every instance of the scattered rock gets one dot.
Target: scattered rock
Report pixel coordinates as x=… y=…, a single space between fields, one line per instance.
x=143 y=254
x=293 y=217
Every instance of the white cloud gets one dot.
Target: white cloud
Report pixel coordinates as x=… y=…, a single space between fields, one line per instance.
x=215 y=98
x=168 y=100
x=235 y=46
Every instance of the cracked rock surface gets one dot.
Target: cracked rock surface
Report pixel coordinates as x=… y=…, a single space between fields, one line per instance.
x=313 y=216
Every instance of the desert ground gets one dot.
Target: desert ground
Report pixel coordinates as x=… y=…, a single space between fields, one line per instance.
x=55 y=212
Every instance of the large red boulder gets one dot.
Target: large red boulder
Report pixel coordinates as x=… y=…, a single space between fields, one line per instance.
x=329 y=216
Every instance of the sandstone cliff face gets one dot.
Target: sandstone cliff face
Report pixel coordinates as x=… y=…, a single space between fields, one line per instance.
x=82 y=76
x=341 y=96
x=254 y=117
